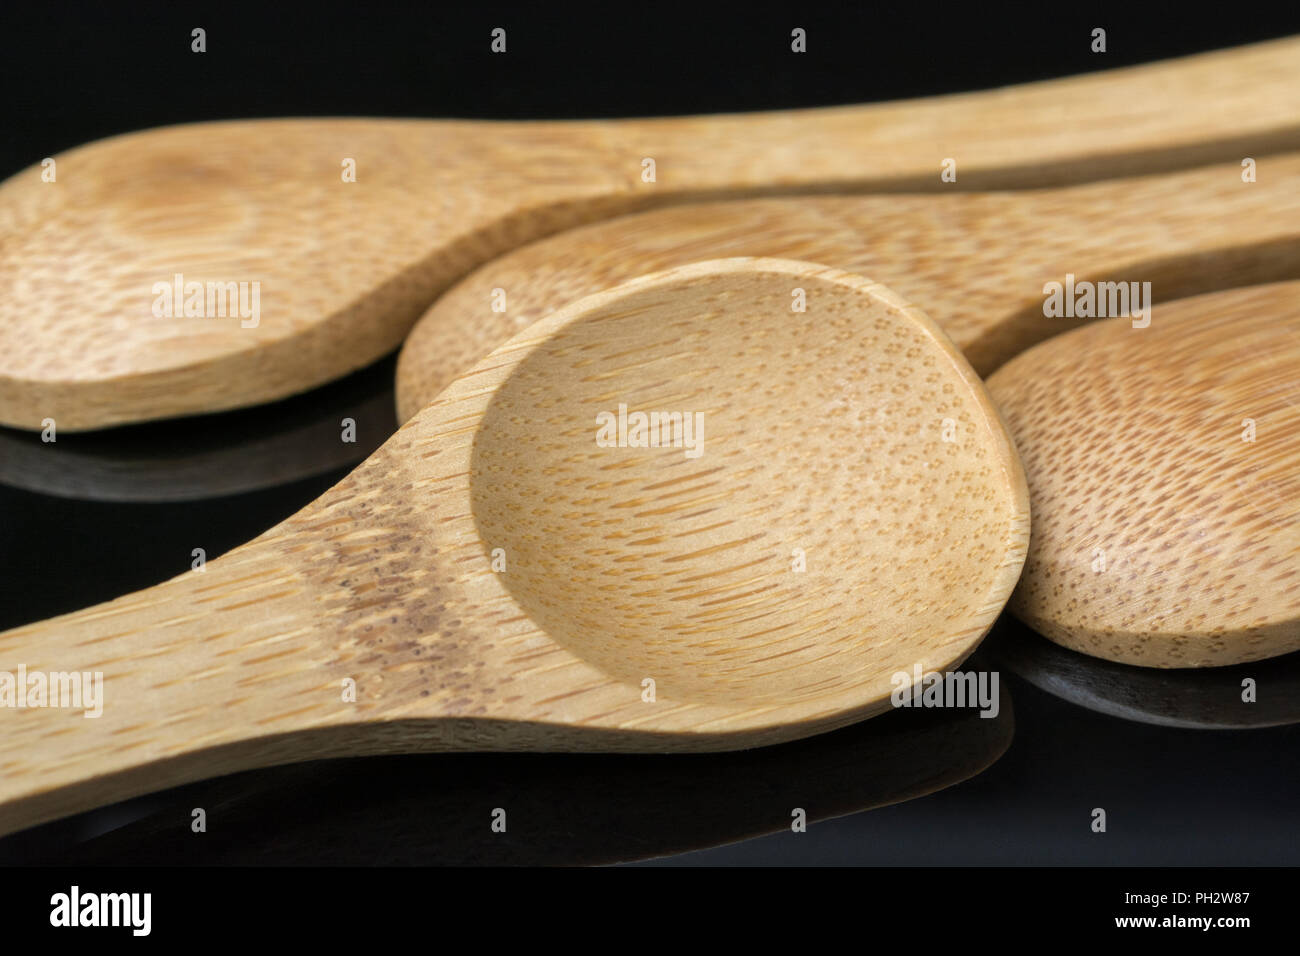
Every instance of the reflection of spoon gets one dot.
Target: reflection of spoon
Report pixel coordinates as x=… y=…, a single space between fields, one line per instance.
x=1209 y=698
x=560 y=809
x=1164 y=464
x=225 y=454
x=494 y=577
x=977 y=262
x=303 y=275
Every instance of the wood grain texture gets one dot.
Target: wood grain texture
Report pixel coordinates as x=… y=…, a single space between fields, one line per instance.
x=977 y=263
x=345 y=269
x=1133 y=443
x=824 y=433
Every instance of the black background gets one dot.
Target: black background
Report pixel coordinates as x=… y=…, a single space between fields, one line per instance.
x=73 y=74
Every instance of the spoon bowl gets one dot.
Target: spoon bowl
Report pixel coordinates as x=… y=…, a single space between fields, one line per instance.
x=1164 y=466
x=818 y=435
x=497 y=577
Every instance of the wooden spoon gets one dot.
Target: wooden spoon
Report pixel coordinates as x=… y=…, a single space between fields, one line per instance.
x=856 y=510
x=978 y=262
x=343 y=269
x=1164 y=467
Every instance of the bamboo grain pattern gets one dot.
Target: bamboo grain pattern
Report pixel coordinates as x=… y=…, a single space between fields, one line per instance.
x=1164 y=473
x=623 y=564
x=977 y=262
x=345 y=269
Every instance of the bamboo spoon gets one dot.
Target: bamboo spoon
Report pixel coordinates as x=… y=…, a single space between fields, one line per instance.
x=978 y=262
x=343 y=269
x=851 y=441
x=1164 y=467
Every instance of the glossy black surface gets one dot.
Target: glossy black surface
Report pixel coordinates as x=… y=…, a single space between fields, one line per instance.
x=940 y=786
x=1019 y=789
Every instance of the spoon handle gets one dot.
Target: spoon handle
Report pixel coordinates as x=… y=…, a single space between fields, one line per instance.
x=146 y=684
x=978 y=262
x=79 y=341
x=1177 y=113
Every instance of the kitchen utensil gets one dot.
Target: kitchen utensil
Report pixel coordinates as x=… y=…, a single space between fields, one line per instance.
x=978 y=263
x=845 y=514
x=303 y=276
x=1164 y=472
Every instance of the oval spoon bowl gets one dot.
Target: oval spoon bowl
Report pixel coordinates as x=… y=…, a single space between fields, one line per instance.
x=1164 y=468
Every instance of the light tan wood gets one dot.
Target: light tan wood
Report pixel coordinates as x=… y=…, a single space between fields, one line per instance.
x=824 y=432
x=977 y=263
x=345 y=269
x=1134 y=444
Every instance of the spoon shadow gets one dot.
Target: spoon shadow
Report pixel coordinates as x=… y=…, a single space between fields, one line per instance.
x=1204 y=698
x=210 y=456
x=561 y=809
